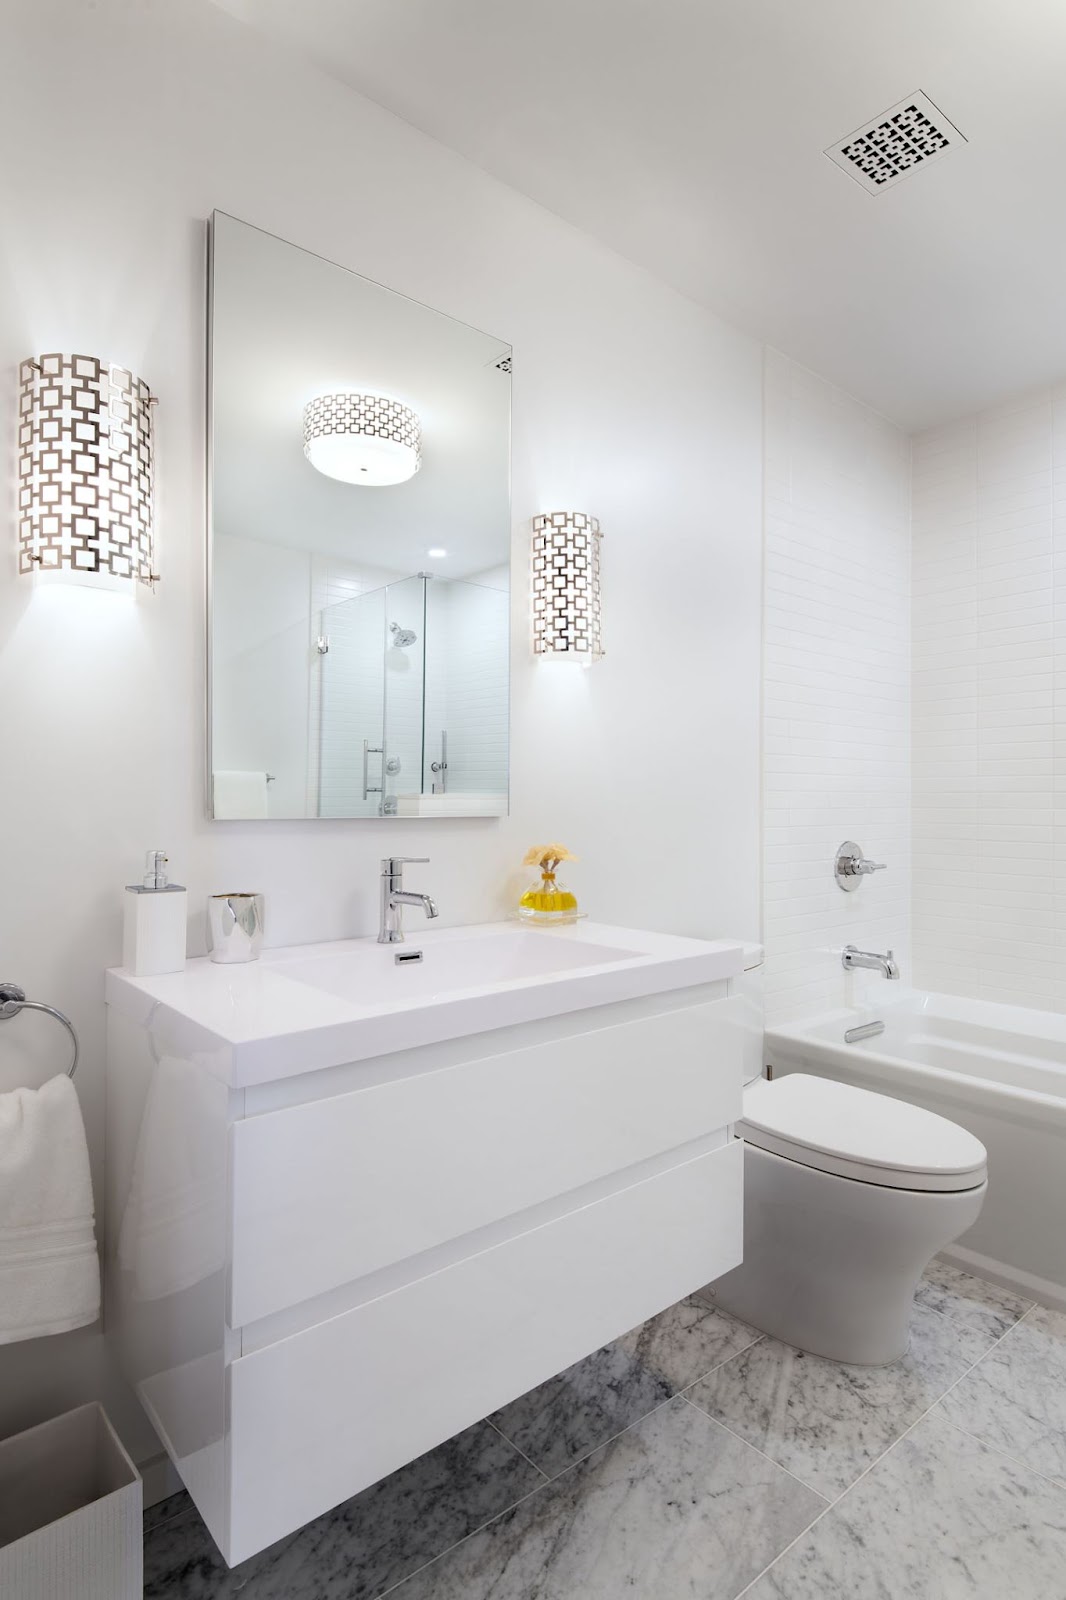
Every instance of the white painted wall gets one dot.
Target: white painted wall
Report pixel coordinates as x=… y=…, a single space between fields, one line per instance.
x=990 y=704
x=836 y=687
x=131 y=123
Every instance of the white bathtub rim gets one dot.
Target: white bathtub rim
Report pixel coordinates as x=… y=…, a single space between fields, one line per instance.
x=801 y=1041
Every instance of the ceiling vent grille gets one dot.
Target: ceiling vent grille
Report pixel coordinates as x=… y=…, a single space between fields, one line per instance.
x=908 y=136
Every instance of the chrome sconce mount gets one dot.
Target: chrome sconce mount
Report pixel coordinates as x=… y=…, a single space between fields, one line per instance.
x=851 y=866
x=85 y=470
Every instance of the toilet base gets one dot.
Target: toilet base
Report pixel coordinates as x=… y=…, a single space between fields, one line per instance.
x=831 y=1264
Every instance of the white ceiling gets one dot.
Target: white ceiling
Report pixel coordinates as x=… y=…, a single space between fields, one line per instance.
x=688 y=134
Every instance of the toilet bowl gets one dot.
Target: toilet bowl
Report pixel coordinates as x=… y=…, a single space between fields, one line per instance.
x=847 y=1197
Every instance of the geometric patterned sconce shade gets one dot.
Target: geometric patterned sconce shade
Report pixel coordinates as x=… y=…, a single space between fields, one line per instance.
x=565 y=575
x=85 y=469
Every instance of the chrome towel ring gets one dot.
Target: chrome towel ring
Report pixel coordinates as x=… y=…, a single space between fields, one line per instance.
x=13 y=1000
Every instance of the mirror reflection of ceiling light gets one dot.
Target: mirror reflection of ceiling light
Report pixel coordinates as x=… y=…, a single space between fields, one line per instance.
x=362 y=438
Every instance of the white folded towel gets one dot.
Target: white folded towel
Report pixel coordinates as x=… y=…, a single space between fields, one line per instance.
x=240 y=794
x=49 y=1267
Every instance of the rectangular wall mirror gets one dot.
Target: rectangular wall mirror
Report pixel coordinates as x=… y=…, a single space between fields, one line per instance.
x=358 y=544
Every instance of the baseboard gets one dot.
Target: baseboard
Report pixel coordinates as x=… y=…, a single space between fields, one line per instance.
x=1027 y=1284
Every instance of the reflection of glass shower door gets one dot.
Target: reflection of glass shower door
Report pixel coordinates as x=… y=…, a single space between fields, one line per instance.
x=351 y=714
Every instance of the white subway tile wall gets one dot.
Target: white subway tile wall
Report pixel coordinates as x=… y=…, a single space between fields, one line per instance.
x=989 y=521
x=836 y=695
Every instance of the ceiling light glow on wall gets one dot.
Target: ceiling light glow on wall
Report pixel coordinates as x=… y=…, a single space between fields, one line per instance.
x=565 y=583
x=85 y=470
x=362 y=438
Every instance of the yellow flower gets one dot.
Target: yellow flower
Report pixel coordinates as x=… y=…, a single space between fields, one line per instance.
x=541 y=855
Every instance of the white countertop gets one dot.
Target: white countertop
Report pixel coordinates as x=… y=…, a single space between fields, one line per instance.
x=305 y=1007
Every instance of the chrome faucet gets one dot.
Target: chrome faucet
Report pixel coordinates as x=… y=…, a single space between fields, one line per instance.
x=394 y=897
x=851 y=957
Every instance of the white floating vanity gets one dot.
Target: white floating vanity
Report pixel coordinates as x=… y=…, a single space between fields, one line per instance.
x=356 y=1204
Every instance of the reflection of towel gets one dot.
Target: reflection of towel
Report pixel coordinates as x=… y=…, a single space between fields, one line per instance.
x=172 y=1233
x=240 y=794
x=49 y=1269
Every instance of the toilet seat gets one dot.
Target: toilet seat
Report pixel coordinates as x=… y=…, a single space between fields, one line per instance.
x=854 y=1133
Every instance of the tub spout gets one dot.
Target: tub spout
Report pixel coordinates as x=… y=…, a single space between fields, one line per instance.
x=851 y=957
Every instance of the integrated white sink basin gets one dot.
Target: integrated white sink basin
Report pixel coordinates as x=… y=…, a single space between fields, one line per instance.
x=312 y=1006
x=437 y=965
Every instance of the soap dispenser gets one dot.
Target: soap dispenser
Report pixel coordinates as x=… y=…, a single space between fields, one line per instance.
x=154 y=931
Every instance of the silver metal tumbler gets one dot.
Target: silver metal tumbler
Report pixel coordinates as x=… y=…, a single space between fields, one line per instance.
x=235 y=926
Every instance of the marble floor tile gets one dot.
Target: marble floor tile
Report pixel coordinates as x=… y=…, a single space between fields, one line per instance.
x=564 y=1419
x=940 y=1517
x=979 y=1312
x=175 y=1505
x=1015 y=1398
x=675 y=1508
x=361 y=1548
x=824 y=1421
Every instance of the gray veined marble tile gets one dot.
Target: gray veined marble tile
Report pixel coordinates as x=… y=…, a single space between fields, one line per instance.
x=175 y=1505
x=979 y=1312
x=361 y=1548
x=824 y=1421
x=562 y=1420
x=939 y=1518
x=1015 y=1398
x=675 y=1508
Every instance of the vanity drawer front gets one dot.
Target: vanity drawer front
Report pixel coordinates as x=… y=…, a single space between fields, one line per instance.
x=318 y=1416
x=326 y=1192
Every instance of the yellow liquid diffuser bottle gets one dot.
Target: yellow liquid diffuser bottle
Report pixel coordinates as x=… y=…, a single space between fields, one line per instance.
x=546 y=899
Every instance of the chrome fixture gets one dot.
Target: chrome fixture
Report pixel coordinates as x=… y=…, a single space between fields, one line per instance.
x=851 y=957
x=13 y=1000
x=402 y=637
x=851 y=866
x=440 y=768
x=867 y=1030
x=368 y=751
x=394 y=897
x=407 y=958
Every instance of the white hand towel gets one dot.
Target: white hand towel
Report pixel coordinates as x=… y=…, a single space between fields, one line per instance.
x=49 y=1268
x=240 y=794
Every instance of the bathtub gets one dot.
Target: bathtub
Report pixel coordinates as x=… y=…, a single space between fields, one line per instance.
x=999 y=1071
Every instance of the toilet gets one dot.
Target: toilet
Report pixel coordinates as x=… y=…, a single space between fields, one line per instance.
x=847 y=1197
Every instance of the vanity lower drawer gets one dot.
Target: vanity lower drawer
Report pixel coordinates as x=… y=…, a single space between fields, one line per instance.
x=326 y=1192
x=318 y=1416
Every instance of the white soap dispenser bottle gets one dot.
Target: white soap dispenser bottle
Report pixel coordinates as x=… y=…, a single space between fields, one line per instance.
x=156 y=915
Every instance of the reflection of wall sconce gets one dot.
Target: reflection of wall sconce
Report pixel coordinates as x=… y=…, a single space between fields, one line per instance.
x=85 y=469
x=566 y=587
x=362 y=438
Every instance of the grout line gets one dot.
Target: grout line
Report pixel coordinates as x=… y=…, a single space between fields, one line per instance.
x=507 y=1440
x=1056 y=1483
x=887 y=1451
x=827 y=1503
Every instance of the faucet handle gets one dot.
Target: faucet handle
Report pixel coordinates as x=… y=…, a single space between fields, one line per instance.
x=391 y=864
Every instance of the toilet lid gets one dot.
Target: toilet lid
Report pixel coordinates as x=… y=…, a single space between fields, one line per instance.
x=854 y=1133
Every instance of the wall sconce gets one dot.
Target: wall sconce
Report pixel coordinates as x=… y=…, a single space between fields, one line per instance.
x=362 y=438
x=85 y=470
x=565 y=571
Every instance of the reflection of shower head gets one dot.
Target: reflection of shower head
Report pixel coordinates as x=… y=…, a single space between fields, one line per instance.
x=402 y=637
